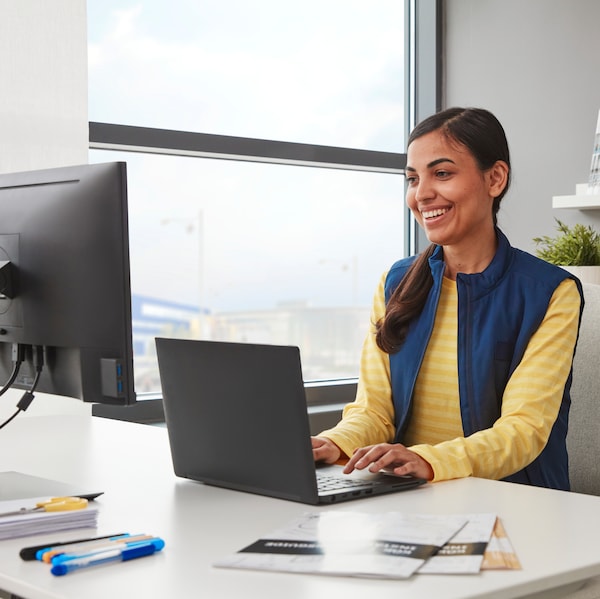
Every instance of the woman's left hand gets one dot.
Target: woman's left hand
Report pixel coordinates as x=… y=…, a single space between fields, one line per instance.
x=391 y=456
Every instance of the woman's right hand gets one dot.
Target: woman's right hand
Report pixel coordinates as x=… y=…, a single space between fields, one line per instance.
x=325 y=450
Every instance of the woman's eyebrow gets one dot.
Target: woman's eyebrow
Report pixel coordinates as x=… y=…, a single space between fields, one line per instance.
x=431 y=164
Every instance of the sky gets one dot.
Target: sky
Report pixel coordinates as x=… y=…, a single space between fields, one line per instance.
x=330 y=73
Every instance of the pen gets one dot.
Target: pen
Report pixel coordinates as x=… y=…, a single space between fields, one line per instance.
x=29 y=553
x=47 y=554
x=91 y=551
x=124 y=553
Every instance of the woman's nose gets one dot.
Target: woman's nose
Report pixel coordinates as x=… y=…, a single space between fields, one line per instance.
x=423 y=190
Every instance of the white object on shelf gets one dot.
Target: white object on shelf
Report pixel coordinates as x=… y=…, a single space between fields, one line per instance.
x=594 y=183
x=582 y=200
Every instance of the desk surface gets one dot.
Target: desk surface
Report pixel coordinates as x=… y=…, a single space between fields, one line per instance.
x=554 y=533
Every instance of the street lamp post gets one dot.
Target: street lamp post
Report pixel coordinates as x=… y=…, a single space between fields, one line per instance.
x=195 y=224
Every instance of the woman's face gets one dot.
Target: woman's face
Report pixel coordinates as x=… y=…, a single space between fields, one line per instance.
x=449 y=195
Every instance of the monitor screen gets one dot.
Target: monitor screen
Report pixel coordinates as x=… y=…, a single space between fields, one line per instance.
x=64 y=280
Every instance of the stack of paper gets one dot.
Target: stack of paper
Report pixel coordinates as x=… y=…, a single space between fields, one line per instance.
x=389 y=545
x=33 y=523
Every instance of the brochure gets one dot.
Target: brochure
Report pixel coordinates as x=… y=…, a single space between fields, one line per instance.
x=464 y=552
x=500 y=554
x=389 y=545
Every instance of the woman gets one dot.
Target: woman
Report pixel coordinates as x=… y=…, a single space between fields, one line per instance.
x=467 y=369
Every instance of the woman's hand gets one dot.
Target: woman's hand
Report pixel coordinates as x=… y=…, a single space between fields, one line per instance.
x=394 y=457
x=325 y=450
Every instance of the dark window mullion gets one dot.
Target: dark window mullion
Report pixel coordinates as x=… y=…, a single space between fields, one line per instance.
x=164 y=141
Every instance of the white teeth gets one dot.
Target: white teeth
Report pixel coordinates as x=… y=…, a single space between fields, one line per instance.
x=433 y=213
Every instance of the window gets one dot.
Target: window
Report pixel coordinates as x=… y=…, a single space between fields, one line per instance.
x=327 y=73
x=265 y=173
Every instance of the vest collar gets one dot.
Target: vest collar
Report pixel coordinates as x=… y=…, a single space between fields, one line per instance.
x=486 y=279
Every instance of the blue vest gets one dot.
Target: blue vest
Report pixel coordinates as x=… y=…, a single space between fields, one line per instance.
x=498 y=312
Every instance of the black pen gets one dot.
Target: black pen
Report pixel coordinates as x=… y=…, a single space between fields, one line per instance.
x=29 y=553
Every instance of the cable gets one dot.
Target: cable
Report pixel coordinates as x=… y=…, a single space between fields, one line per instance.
x=18 y=352
x=28 y=396
x=12 y=378
x=10 y=419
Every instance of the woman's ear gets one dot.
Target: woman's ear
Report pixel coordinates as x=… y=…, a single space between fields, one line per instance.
x=498 y=178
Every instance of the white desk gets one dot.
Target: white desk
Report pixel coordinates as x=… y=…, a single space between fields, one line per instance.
x=555 y=534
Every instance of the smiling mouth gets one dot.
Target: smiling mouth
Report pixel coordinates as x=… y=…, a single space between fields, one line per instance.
x=427 y=214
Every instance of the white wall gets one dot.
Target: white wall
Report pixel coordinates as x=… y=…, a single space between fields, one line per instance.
x=43 y=110
x=536 y=65
x=43 y=83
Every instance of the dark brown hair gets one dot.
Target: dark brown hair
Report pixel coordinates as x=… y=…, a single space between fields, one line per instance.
x=482 y=134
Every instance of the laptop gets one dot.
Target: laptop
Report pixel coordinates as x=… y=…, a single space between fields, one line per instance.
x=236 y=417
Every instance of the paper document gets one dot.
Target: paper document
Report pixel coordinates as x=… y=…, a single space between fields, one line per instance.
x=389 y=545
x=463 y=554
x=500 y=554
x=41 y=522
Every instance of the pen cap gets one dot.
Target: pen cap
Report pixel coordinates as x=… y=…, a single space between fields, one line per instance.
x=157 y=543
x=138 y=551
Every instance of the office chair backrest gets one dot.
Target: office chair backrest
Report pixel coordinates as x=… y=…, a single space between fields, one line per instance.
x=583 y=438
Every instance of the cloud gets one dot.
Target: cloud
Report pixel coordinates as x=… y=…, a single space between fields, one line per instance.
x=331 y=75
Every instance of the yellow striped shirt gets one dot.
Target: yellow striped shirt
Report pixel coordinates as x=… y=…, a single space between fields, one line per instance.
x=529 y=406
x=435 y=415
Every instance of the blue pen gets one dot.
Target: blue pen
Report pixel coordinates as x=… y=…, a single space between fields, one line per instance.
x=86 y=552
x=120 y=554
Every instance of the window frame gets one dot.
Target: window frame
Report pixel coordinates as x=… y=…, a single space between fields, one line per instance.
x=423 y=76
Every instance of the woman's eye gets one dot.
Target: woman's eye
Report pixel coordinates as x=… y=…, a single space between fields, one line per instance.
x=442 y=174
x=411 y=180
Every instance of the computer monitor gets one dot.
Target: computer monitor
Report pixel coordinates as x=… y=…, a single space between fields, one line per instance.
x=64 y=282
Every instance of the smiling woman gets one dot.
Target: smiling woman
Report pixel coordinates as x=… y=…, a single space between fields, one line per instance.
x=453 y=382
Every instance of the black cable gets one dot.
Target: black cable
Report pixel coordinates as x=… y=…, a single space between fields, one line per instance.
x=18 y=356
x=12 y=378
x=28 y=396
x=10 y=419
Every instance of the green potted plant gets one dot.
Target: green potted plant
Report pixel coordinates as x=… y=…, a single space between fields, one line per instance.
x=576 y=249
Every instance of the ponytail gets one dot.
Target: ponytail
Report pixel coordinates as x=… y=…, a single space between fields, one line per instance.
x=405 y=303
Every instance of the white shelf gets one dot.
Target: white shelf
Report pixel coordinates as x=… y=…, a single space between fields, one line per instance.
x=580 y=201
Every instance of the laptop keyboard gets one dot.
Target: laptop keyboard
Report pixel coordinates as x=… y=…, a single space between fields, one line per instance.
x=328 y=482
